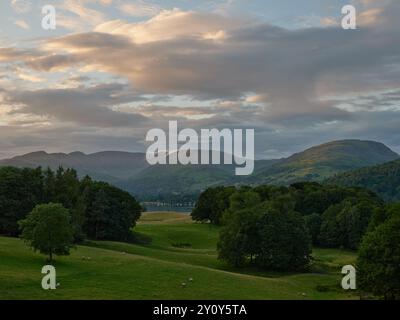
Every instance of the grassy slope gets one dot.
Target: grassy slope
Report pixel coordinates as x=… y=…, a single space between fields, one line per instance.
x=157 y=270
x=323 y=161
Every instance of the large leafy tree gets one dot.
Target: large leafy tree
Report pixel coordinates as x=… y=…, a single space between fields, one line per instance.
x=378 y=262
x=271 y=234
x=20 y=191
x=48 y=229
x=97 y=210
x=110 y=212
x=285 y=241
x=344 y=224
x=313 y=224
x=240 y=237
x=69 y=191
x=212 y=204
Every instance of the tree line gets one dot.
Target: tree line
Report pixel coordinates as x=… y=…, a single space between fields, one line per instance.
x=274 y=228
x=95 y=210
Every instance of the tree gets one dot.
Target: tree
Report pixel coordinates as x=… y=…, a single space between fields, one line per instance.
x=285 y=242
x=69 y=191
x=378 y=262
x=20 y=191
x=382 y=214
x=110 y=213
x=212 y=204
x=240 y=236
x=344 y=224
x=313 y=224
x=353 y=222
x=270 y=234
x=48 y=229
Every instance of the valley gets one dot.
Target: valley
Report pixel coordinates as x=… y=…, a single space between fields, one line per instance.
x=172 y=249
x=183 y=183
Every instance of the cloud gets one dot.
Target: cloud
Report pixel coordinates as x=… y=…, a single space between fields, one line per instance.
x=77 y=15
x=173 y=53
x=90 y=106
x=293 y=86
x=21 y=6
x=169 y=25
x=28 y=76
x=140 y=9
x=16 y=55
x=22 y=24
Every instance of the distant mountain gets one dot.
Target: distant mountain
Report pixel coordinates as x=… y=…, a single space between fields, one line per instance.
x=185 y=179
x=109 y=166
x=383 y=179
x=131 y=171
x=176 y=179
x=320 y=162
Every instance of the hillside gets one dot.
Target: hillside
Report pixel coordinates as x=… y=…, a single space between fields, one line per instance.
x=179 y=250
x=109 y=166
x=383 y=179
x=320 y=162
x=176 y=179
x=131 y=172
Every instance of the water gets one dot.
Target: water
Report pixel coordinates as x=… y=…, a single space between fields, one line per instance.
x=152 y=208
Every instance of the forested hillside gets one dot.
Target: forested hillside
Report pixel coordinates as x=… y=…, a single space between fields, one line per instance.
x=383 y=179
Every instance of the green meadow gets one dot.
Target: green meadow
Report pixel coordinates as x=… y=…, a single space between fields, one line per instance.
x=173 y=258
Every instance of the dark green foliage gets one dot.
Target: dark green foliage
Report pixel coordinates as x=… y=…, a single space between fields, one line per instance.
x=240 y=237
x=212 y=203
x=268 y=233
x=383 y=179
x=329 y=232
x=312 y=197
x=243 y=199
x=334 y=216
x=66 y=188
x=110 y=213
x=378 y=264
x=383 y=214
x=344 y=224
x=48 y=229
x=285 y=241
x=22 y=189
x=313 y=223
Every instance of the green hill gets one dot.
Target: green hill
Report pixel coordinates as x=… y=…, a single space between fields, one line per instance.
x=320 y=162
x=175 y=179
x=131 y=172
x=179 y=250
x=109 y=166
x=383 y=179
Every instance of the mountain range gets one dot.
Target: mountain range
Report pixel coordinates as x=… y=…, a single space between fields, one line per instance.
x=131 y=171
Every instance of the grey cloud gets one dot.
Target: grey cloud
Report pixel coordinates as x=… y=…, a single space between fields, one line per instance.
x=84 y=106
x=293 y=70
x=287 y=66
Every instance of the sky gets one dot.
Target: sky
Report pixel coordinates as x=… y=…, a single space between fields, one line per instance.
x=113 y=69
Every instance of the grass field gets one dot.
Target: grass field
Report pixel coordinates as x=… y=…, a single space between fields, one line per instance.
x=174 y=249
